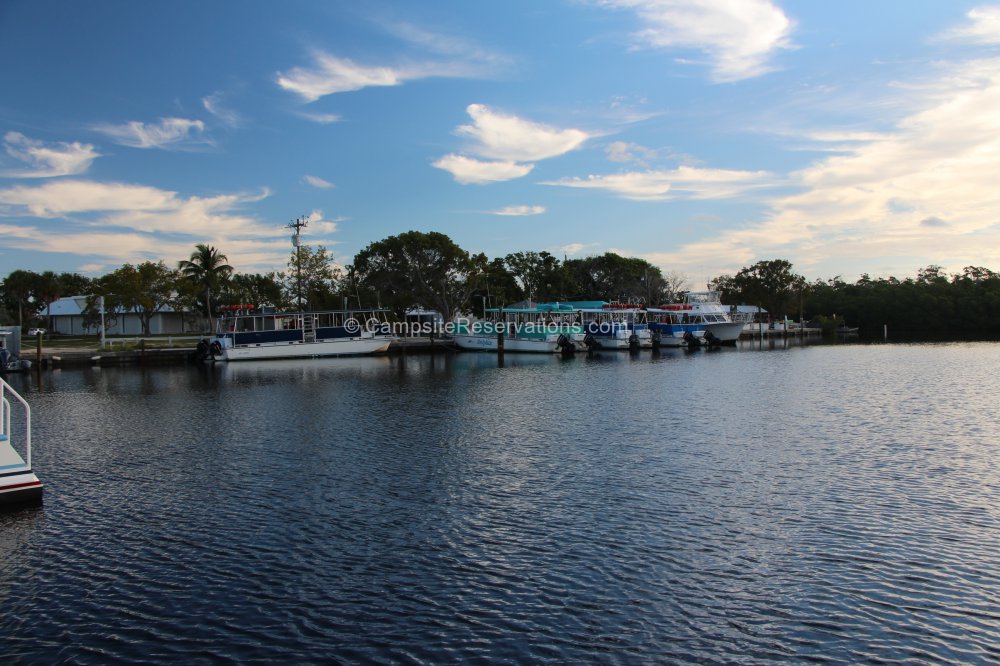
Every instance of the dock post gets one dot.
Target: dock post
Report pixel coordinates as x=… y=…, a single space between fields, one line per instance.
x=500 y=345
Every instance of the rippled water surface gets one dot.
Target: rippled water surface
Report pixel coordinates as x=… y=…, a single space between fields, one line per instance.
x=836 y=503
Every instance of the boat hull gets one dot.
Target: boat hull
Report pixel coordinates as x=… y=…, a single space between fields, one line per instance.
x=18 y=484
x=489 y=343
x=335 y=347
x=724 y=331
x=26 y=492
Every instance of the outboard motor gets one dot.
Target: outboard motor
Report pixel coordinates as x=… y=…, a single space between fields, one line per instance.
x=691 y=340
x=654 y=335
x=633 y=342
x=202 y=351
x=216 y=349
x=711 y=340
x=590 y=341
x=565 y=345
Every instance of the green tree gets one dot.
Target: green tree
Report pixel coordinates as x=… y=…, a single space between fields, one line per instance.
x=313 y=279
x=416 y=268
x=260 y=289
x=207 y=271
x=539 y=274
x=145 y=289
x=18 y=287
x=770 y=284
x=612 y=277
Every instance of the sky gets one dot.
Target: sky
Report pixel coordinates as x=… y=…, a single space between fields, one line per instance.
x=847 y=137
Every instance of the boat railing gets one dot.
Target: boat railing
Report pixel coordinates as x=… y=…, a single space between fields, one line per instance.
x=5 y=411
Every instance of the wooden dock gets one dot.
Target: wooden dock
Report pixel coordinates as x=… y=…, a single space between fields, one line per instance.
x=56 y=357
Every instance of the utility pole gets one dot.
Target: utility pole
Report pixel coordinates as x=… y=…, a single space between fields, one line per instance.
x=299 y=224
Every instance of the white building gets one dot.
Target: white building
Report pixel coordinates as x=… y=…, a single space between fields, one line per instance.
x=66 y=317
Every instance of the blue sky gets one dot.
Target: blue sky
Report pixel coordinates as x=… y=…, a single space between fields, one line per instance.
x=847 y=137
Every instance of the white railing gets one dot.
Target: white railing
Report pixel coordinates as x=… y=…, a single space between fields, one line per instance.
x=5 y=409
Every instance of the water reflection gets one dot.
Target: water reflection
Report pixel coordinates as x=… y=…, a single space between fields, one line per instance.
x=809 y=502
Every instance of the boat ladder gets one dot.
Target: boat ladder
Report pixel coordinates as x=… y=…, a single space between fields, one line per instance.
x=309 y=328
x=7 y=393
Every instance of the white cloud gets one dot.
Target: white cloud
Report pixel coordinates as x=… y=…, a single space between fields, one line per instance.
x=146 y=209
x=507 y=137
x=520 y=210
x=683 y=182
x=467 y=170
x=923 y=192
x=318 y=182
x=983 y=27
x=112 y=223
x=169 y=132
x=738 y=36
x=47 y=161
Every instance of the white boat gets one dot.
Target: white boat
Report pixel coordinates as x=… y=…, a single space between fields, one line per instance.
x=245 y=334
x=18 y=484
x=705 y=309
x=670 y=327
x=616 y=326
x=9 y=347
x=545 y=329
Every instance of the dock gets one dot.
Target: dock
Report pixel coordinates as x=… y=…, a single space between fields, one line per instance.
x=57 y=357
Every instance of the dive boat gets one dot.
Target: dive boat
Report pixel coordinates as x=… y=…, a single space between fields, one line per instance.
x=544 y=328
x=244 y=333
x=18 y=484
x=671 y=327
x=705 y=309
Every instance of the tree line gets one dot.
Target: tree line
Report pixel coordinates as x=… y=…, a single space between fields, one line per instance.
x=429 y=270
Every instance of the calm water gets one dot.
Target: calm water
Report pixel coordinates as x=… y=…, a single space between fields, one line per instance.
x=837 y=504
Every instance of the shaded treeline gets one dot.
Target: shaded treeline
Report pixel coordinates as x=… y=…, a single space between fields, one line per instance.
x=428 y=270
x=933 y=304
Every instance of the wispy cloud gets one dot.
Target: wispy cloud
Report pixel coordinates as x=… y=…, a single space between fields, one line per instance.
x=322 y=118
x=317 y=182
x=215 y=104
x=47 y=160
x=125 y=222
x=622 y=151
x=520 y=210
x=330 y=74
x=470 y=171
x=738 y=37
x=928 y=182
x=436 y=55
x=573 y=249
x=684 y=182
x=168 y=133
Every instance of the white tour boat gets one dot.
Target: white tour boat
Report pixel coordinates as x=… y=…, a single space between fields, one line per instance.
x=705 y=309
x=245 y=334
x=545 y=328
x=616 y=326
x=18 y=484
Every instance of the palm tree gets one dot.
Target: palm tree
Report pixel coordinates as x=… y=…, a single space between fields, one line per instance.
x=207 y=269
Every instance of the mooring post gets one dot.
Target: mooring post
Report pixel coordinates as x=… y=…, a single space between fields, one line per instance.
x=500 y=345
